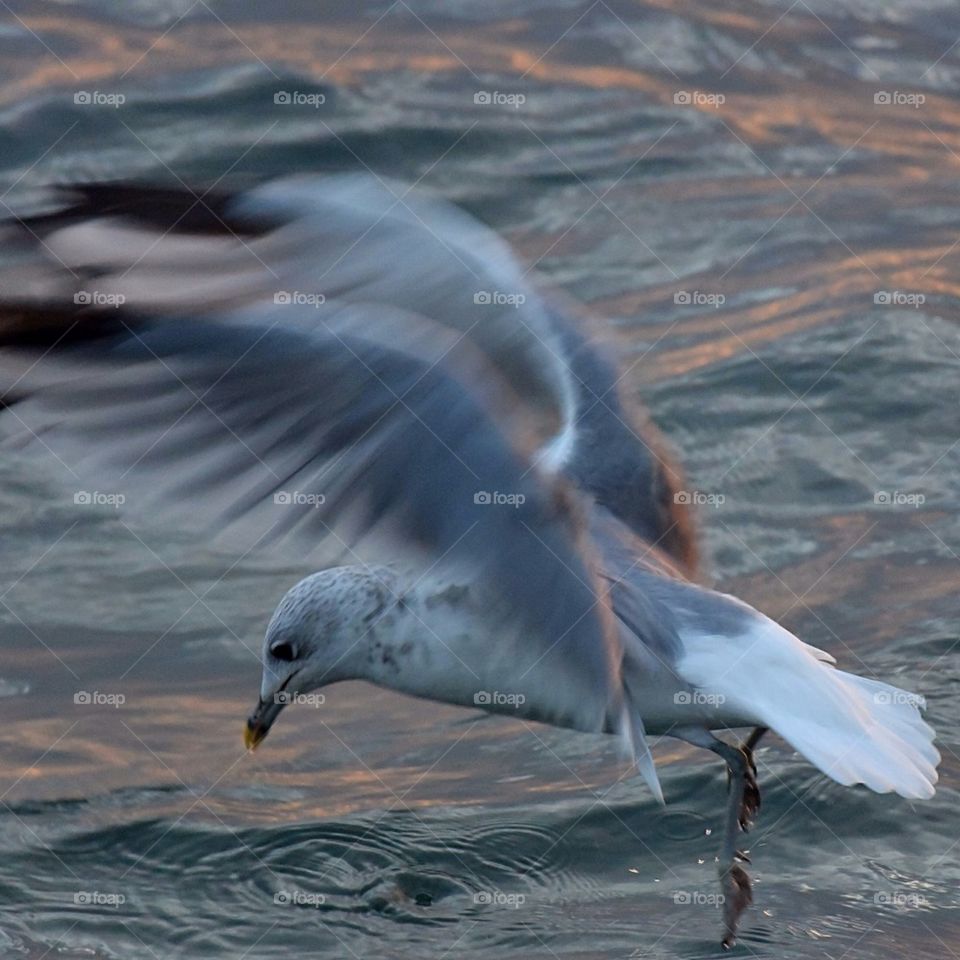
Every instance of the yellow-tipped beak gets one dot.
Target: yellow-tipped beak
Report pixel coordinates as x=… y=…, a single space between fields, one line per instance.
x=259 y=722
x=252 y=735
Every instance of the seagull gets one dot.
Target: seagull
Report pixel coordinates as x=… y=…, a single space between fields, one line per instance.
x=364 y=377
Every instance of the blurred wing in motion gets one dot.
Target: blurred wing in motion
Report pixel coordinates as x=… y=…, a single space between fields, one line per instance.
x=324 y=242
x=375 y=260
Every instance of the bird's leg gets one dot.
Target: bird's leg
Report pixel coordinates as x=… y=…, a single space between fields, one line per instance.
x=750 y=804
x=743 y=802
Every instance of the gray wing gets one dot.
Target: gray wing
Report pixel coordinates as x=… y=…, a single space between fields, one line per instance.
x=327 y=241
x=276 y=434
x=646 y=592
x=344 y=244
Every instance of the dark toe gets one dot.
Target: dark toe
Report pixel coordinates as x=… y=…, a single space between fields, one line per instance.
x=737 y=896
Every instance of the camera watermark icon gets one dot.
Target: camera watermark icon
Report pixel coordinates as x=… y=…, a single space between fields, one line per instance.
x=96 y=698
x=497 y=898
x=494 y=698
x=497 y=298
x=96 y=898
x=697 y=298
x=287 y=498
x=698 y=98
x=299 y=298
x=905 y=697
x=497 y=499
x=494 y=98
x=698 y=898
x=698 y=698
x=899 y=298
x=307 y=699
x=298 y=898
x=297 y=98
x=699 y=498
x=899 y=98
x=95 y=98
x=900 y=901
x=95 y=298
x=898 y=498
x=95 y=498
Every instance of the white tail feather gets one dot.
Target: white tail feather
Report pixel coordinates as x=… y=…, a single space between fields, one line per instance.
x=853 y=729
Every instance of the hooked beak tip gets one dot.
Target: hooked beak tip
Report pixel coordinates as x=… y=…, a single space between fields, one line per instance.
x=259 y=722
x=253 y=734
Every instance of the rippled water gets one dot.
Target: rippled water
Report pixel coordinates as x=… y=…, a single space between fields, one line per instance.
x=761 y=199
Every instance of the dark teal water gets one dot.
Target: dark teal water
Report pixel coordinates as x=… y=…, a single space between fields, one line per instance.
x=813 y=232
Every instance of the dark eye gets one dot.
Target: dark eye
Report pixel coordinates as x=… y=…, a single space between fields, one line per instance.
x=283 y=651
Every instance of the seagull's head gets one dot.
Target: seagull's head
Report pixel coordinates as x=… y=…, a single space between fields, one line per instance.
x=316 y=637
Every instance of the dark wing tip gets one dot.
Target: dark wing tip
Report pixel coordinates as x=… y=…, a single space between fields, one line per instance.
x=168 y=209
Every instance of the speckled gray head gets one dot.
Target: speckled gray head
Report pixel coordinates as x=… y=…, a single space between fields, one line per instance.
x=318 y=635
